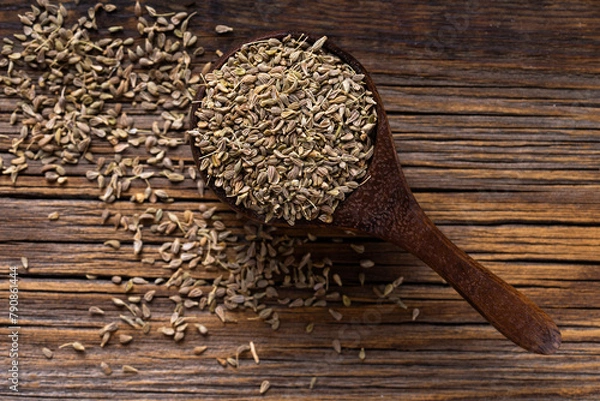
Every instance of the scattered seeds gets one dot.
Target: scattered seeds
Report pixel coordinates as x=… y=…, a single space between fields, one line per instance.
x=118 y=302
x=87 y=87
x=201 y=329
x=358 y=248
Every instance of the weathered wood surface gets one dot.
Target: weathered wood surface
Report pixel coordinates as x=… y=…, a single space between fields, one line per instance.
x=495 y=114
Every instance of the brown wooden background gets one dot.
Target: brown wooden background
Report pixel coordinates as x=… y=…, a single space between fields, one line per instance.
x=495 y=112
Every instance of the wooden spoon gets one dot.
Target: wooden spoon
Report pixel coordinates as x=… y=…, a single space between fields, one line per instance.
x=386 y=208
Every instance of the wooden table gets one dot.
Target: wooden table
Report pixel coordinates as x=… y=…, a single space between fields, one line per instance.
x=494 y=110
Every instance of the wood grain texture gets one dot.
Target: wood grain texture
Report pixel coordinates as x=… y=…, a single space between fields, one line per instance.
x=495 y=114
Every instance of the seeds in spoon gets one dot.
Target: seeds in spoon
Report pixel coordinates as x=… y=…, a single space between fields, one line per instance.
x=284 y=129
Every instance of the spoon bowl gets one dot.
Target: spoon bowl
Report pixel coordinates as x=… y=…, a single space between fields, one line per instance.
x=385 y=207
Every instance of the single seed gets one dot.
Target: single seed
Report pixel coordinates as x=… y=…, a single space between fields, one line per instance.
x=264 y=387
x=113 y=243
x=167 y=331
x=149 y=296
x=47 y=353
x=129 y=369
x=77 y=346
x=254 y=354
x=125 y=339
x=200 y=350
x=201 y=329
x=366 y=263
x=362 y=354
x=94 y=310
x=105 y=368
x=337 y=346
x=139 y=280
x=220 y=29
x=53 y=216
x=335 y=314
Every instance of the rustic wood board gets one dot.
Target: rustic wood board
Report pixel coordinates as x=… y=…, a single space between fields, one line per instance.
x=494 y=109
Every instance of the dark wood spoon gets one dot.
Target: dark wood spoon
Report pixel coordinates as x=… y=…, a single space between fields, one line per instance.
x=386 y=208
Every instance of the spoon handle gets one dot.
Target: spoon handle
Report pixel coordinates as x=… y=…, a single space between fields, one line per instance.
x=508 y=310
